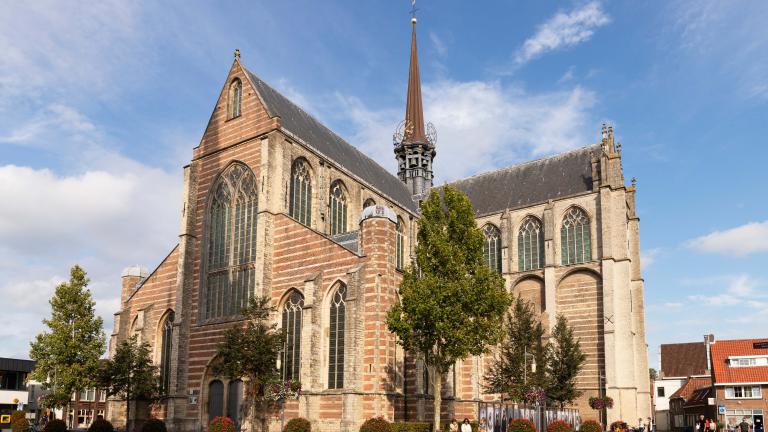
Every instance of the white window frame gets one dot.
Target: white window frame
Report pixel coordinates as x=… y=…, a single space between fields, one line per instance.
x=746 y=392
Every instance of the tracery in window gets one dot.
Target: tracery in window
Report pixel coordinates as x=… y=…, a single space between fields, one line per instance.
x=530 y=245
x=292 y=319
x=400 y=244
x=231 y=243
x=300 y=206
x=492 y=247
x=235 y=98
x=338 y=208
x=166 y=346
x=336 y=337
x=575 y=240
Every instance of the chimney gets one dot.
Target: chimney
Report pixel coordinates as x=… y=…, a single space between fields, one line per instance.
x=708 y=340
x=131 y=277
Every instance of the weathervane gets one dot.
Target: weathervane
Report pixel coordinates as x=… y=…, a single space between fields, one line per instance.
x=413 y=9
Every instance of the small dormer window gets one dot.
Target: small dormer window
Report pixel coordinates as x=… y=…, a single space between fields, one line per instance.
x=235 y=98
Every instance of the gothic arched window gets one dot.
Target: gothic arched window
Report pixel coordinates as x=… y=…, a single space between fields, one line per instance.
x=400 y=244
x=215 y=399
x=166 y=346
x=575 y=237
x=338 y=208
x=336 y=338
x=492 y=247
x=292 y=319
x=300 y=206
x=234 y=401
x=231 y=243
x=530 y=245
x=235 y=98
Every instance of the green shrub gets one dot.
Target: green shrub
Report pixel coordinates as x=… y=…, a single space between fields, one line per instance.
x=20 y=425
x=377 y=424
x=101 y=425
x=154 y=425
x=521 y=425
x=559 y=426
x=221 y=424
x=411 y=427
x=298 y=424
x=591 y=426
x=618 y=425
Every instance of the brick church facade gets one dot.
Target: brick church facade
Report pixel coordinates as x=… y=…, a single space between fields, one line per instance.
x=277 y=204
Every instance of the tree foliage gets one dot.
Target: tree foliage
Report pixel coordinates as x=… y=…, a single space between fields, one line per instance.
x=452 y=304
x=67 y=354
x=512 y=374
x=564 y=362
x=251 y=349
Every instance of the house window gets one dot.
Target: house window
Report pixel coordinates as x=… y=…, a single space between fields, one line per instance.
x=660 y=391
x=336 y=338
x=300 y=206
x=235 y=98
x=575 y=240
x=231 y=243
x=102 y=395
x=743 y=392
x=740 y=362
x=530 y=245
x=492 y=247
x=166 y=346
x=338 y=208
x=292 y=318
x=88 y=395
x=400 y=244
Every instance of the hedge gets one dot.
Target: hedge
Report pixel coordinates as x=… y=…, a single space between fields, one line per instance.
x=412 y=427
x=154 y=425
x=377 y=424
x=298 y=424
x=591 y=426
x=101 y=425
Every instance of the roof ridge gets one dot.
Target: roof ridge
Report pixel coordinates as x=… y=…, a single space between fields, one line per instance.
x=522 y=164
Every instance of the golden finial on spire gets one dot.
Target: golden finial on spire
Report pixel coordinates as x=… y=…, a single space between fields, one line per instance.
x=237 y=54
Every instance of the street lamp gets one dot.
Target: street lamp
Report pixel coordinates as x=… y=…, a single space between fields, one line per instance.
x=601 y=379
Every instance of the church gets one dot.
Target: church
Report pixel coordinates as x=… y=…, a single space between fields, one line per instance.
x=276 y=204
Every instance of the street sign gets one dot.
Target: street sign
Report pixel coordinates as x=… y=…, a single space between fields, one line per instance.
x=721 y=409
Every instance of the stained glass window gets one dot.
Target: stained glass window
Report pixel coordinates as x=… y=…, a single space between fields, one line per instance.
x=530 y=245
x=338 y=208
x=292 y=319
x=231 y=243
x=336 y=338
x=300 y=206
x=492 y=247
x=575 y=240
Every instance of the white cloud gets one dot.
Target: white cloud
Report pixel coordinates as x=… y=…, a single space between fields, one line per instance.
x=741 y=290
x=501 y=124
x=438 y=43
x=743 y=240
x=563 y=30
x=648 y=257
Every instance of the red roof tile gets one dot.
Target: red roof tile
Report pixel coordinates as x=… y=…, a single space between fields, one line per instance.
x=683 y=359
x=724 y=373
x=691 y=386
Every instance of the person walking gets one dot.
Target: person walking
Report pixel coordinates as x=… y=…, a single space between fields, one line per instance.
x=454 y=426
x=465 y=426
x=483 y=426
x=744 y=426
x=701 y=424
x=712 y=425
x=649 y=425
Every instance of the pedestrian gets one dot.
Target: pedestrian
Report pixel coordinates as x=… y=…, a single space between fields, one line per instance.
x=483 y=426
x=701 y=424
x=649 y=425
x=454 y=426
x=465 y=426
x=640 y=425
x=744 y=426
x=712 y=425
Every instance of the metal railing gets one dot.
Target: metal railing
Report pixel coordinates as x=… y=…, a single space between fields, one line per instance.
x=498 y=415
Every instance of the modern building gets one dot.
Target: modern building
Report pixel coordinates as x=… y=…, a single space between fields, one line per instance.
x=678 y=362
x=740 y=378
x=13 y=387
x=276 y=204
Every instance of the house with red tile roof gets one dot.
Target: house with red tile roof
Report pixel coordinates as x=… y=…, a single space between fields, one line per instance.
x=740 y=381
x=690 y=401
x=678 y=361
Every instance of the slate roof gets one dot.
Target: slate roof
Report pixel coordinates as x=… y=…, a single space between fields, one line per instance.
x=724 y=373
x=683 y=359
x=300 y=124
x=529 y=183
x=16 y=365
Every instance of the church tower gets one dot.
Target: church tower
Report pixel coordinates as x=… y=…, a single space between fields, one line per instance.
x=414 y=141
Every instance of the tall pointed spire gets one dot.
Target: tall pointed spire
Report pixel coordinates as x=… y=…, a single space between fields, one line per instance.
x=414 y=140
x=414 y=113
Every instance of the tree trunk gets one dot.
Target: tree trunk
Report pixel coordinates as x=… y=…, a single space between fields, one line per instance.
x=436 y=389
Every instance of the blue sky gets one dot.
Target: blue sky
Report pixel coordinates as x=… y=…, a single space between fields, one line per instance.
x=101 y=103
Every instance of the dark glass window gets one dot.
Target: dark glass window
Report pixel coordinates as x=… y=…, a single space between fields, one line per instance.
x=336 y=338
x=575 y=240
x=530 y=245
x=215 y=399
x=300 y=206
x=492 y=247
x=236 y=98
x=338 y=208
x=292 y=319
x=165 y=355
x=400 y=244
x=234 y=402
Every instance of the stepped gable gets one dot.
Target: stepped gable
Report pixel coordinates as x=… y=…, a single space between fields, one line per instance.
x=529 y=183
x=299 y=124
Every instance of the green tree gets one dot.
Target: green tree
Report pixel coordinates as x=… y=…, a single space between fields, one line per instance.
x=564 y=362
x=452 y=305
x=130 y=375
x=512 y=372
x=251 y=350
x=653 y=374
x=67 y=354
